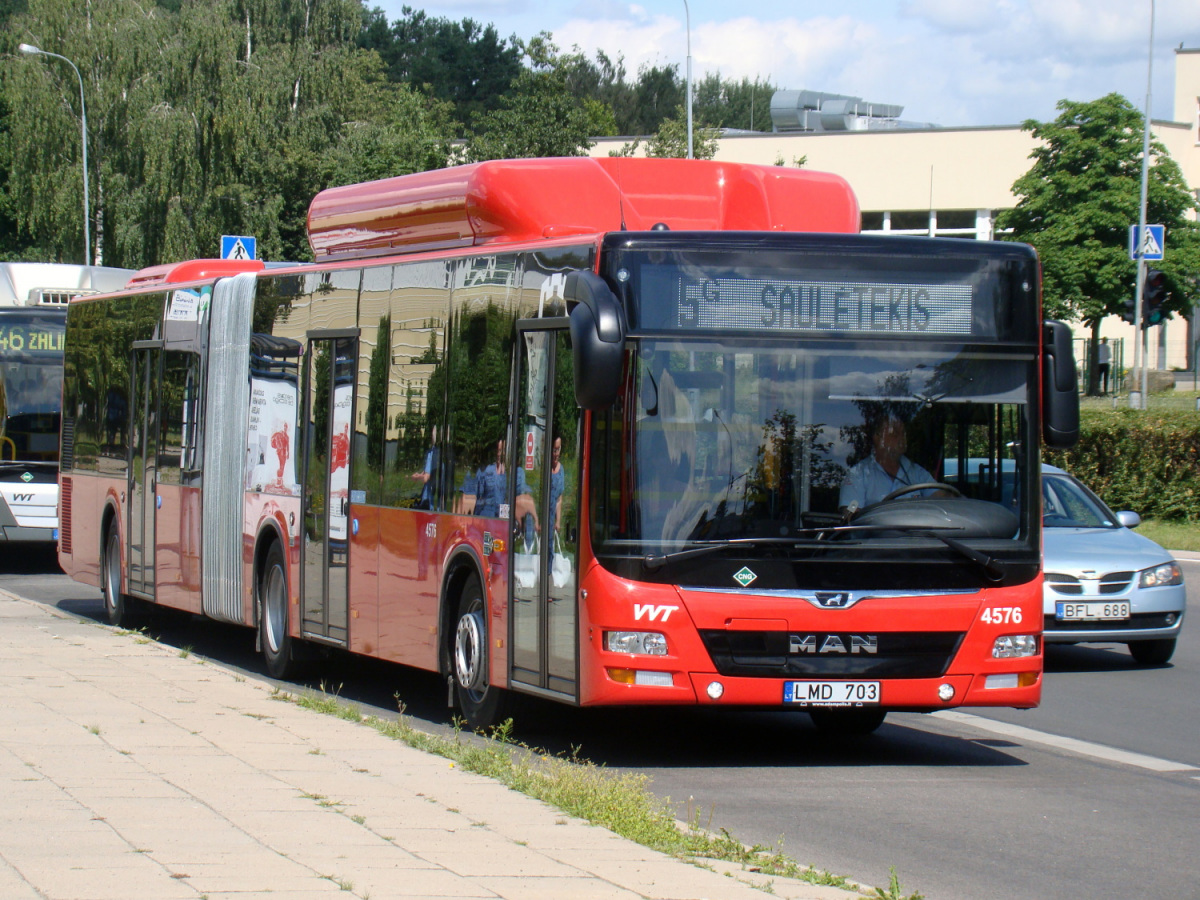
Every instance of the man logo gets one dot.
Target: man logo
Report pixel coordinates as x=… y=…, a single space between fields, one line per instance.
x=833 y=643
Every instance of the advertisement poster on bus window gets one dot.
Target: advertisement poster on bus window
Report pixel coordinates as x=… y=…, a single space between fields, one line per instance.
x=271 y=447
x=339 y=460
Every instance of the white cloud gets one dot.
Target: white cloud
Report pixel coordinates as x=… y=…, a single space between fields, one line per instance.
x=952 y=62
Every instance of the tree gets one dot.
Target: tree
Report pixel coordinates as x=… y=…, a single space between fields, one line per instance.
x=1079 y=198
x=725 y=103
x=463 y=63
x=537 y=117
x=671 y=140
x=224 y=117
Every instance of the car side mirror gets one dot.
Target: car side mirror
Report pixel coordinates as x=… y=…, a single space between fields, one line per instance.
x=1129 y=519
x=1060 y=387
x=597 y=339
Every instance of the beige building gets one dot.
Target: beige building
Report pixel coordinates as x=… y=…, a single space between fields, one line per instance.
x=953 y=181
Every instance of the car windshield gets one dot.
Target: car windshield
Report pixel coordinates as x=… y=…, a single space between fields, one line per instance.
x=1068 y=504
x=770 y=443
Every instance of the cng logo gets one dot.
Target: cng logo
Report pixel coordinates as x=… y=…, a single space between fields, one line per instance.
x=744 y=576
x=27 y=477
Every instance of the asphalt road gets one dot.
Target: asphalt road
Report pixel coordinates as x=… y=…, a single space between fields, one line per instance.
x=1096 y=794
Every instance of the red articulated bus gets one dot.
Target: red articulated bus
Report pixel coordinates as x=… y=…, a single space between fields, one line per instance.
x=604 y=431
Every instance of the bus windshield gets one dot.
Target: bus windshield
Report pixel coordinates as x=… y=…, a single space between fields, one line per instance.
x=798 y=449
x=31 y=351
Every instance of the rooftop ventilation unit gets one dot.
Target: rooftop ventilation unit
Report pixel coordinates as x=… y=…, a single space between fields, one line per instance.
x=815 y=112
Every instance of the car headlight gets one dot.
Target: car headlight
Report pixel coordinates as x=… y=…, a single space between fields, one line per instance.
x=1015 y=646
x=651 y=643
x=1160 y=576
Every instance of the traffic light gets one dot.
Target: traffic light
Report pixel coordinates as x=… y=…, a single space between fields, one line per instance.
x=1154 y=294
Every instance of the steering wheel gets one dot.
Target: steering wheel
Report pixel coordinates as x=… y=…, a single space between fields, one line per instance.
x=924 y=486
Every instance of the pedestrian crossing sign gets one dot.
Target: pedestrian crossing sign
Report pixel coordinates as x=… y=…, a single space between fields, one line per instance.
x=1154 y=242
x=238 y=246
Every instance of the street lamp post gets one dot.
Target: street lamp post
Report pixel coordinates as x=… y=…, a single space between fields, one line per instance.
x=1141 y=344
x=31 y=50
x=688 y=17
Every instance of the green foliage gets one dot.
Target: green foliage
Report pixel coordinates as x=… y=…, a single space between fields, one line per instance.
x=637 y=107
x=225 y=117
x=1146 y=461
x=893 y=891
x=537 y=117
x=725 y=103
x=672 y=138
x=1079 y=199
x=465 y=64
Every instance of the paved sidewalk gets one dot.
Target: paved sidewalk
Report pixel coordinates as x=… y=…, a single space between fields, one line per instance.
x=129 y=771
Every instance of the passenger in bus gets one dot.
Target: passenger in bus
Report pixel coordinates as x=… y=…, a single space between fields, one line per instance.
x=464 y=501
x=885 y=470
x=491 y=486
x=558 y=482
x=426 y=476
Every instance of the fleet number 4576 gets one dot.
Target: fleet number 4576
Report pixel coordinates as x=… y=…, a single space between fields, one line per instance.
x=1002 y=615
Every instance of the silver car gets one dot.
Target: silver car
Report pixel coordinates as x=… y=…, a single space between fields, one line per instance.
x=1103 y=581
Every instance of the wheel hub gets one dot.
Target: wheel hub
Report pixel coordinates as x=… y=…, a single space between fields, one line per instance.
x=468 y=651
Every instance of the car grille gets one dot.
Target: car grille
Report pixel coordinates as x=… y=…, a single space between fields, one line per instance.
x=1070 y=586
x=1133 y=623
x=766 y=654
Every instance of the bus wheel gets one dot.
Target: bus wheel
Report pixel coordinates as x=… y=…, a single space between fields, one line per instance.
x=847 y=721
x=481 y=704
x=273 y=614
x=116 y=604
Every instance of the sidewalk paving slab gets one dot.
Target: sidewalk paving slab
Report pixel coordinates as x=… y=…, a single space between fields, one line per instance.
x=134 y=771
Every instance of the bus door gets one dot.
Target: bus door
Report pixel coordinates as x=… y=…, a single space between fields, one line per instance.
x=143 y=474
x=545 y=527
x=330 y=364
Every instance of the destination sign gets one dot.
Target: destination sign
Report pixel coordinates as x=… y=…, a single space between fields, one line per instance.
x=31 y=337
x=760 y=304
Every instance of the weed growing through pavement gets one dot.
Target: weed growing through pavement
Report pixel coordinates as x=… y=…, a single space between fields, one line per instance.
x=619 y=801
x=893 y=891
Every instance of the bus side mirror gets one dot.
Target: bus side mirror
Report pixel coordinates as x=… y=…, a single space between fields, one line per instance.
x=598 y=339
x=1060 y=389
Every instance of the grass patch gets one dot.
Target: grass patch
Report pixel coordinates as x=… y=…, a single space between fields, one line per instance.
x=1172 y=535
x=1182 y=398
x=618 y=801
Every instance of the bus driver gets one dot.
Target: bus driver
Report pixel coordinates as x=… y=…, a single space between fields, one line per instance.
x=885 y=470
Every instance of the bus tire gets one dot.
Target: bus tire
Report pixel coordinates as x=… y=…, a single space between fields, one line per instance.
x=847 y=721
x=481 y=704
x=273 y=614
x=117 y=606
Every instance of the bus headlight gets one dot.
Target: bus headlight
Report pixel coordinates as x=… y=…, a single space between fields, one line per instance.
x=1013 y=646
x=1160 y=576
x=650 y=643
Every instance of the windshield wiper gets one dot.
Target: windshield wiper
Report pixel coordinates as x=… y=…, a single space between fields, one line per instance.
x=992 y=567
x=9 y=465
x=706 y=547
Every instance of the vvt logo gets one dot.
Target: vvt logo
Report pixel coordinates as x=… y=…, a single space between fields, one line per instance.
x=651 y=612
x=22 y=498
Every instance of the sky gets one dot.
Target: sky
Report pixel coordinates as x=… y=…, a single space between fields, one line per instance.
x=947 y=62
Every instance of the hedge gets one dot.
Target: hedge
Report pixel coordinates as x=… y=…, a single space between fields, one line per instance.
x=1148 y=462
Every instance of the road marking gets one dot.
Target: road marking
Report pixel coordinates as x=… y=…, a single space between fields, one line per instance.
x=1071 y=745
